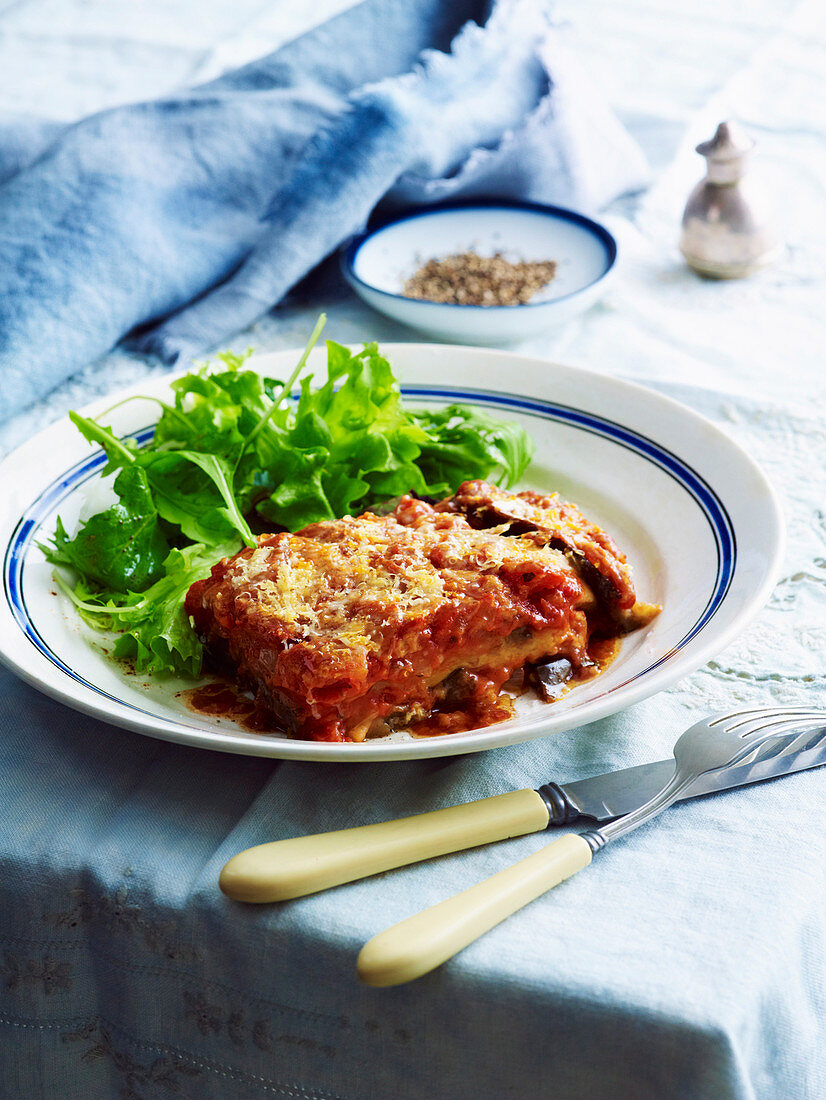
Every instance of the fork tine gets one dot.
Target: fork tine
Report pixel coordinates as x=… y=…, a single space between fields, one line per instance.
x=778 y=722
x=748 y=713
x=806 y=741
x=765 y=750
x=765 y=715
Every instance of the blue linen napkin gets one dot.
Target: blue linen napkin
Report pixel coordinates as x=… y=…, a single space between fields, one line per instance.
x=183 y=220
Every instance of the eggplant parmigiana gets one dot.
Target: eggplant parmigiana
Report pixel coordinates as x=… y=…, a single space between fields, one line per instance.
x=357 y=626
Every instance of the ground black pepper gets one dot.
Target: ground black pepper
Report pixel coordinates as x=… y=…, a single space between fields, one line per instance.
x=472 y=280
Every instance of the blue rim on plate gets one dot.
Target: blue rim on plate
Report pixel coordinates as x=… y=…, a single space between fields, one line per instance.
x=698 y=489
x=349 y=252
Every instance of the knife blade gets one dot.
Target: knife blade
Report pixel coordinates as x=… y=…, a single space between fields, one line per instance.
x=604 y=797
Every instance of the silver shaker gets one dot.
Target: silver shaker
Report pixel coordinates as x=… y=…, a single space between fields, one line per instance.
x=728 y=228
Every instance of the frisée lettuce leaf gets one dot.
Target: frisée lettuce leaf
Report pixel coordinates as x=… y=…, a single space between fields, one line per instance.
x=155 y=632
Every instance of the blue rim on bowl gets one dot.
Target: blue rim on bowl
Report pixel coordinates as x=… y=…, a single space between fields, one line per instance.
x=349 y=251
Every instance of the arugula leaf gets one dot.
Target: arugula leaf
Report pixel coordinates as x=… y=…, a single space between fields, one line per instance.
x=119 y=452
x=123 y=547
x=286 y=389
x=213 y=412
x=189 y=488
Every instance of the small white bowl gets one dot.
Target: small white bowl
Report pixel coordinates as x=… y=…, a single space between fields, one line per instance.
x=378 y=263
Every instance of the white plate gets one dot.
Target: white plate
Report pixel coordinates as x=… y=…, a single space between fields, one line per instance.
x=378 y=263
x=696 y=517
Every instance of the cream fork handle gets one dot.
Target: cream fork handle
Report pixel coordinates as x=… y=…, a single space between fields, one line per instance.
x=302 y=865
x=426 y=940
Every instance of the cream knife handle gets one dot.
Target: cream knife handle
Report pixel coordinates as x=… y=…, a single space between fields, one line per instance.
x=291 y=868
x=426 y=940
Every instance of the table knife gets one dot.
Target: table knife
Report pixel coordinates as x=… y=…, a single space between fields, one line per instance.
x=284 y=869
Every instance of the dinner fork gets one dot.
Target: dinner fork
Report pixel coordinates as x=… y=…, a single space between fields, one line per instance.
x=424 y=941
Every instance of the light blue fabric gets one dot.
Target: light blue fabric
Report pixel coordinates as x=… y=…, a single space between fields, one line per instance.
x=227 y=195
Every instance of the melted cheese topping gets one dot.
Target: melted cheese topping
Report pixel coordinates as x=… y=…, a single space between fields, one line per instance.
x=352 y=578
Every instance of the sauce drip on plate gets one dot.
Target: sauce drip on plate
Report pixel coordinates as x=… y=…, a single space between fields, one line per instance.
x=222 y=699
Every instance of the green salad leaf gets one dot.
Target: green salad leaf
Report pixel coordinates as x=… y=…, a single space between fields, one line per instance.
x=464 y=443
x=122 y=547
x=195 y=492
x=231 y=454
